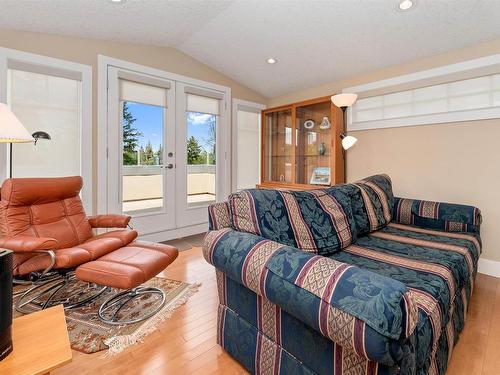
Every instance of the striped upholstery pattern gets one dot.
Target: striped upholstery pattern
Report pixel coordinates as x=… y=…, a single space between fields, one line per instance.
x=438 y=267
x=378 y=200
x=435 y=215
x=393 y=300
x=367 y=325
x=318 y=221
x=278 y=343
x=219 y=216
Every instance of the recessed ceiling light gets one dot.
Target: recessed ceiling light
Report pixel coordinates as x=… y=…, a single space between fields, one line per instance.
x=271 y=61
x=405 y=4
x=117 y=1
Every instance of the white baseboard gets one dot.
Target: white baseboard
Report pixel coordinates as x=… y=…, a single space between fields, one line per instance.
x=489 y=267
x=175 y=233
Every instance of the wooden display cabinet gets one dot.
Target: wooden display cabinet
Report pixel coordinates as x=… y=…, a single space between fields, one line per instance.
x=299 y=149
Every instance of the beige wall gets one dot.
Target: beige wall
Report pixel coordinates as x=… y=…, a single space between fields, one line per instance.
x=85 y=51
x=456 y=162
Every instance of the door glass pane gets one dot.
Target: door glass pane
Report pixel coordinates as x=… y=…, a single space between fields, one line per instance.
x=142 y=173
x=278 y=146
x=248 y=167
x=52 y=105
x=201 y=158
x=314 y=146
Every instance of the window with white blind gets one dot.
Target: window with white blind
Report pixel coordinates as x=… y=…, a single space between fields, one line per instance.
x=53 y=98
x=425 y=103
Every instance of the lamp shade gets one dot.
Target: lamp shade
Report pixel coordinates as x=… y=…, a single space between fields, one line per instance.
x=348 y=141
x=11 y=129
x=344 y=100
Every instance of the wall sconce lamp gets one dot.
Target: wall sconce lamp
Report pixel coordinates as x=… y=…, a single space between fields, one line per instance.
x=41 y=135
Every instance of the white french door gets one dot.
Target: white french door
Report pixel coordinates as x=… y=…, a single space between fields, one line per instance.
x=141 y=149
x=201 y=165
x=167 y=144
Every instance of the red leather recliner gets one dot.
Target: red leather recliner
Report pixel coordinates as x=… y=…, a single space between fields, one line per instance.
x=43 y=221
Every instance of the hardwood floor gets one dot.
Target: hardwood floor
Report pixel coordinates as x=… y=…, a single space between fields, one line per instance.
x=186 y=343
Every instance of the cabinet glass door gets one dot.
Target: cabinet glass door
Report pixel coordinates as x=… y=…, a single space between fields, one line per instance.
x=278 y=146
x=313 y=150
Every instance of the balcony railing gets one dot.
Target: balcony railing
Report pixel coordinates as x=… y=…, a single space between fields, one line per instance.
x=143 y=186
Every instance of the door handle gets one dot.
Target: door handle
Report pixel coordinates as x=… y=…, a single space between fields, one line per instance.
x=169 y=166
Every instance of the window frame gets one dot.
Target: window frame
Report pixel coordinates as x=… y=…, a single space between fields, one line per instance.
x=10 y=58
x=484 y=66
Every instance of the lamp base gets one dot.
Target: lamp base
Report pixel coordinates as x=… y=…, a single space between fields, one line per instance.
x=5 y=303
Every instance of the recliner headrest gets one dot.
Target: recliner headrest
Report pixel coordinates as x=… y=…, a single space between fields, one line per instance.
x=30 y=191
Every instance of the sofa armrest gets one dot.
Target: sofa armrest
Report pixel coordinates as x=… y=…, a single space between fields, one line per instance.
x=219 y=216
x=358 y=309
x=28 y=243
x=109 y=221
x=437 y=215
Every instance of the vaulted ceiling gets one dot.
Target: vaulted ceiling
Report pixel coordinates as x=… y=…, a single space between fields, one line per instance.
x=314 y=41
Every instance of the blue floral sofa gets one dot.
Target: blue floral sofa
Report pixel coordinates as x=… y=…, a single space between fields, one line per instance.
x=343 y=280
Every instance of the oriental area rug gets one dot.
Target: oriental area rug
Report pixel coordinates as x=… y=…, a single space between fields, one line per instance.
x=88 y=334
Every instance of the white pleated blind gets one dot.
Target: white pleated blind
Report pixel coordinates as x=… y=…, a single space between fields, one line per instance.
x=202 y=104
x=452 y=97
x=131 y=91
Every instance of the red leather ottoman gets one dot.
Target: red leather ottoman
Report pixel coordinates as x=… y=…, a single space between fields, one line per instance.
x=128 y=268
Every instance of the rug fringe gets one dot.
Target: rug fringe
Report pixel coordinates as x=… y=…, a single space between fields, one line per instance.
x=118 y=343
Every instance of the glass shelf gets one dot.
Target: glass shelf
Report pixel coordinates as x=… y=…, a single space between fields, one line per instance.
x=310 y=141
x=300 y=145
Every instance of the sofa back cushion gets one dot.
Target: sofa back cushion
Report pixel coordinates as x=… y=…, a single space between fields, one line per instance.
x=372 y=202
x=377 y=201
x=317 y=221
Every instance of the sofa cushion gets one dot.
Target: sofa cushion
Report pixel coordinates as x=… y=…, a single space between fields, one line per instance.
x=317 y=221
x=439 y=267
x=372 y=202
x=437 y=215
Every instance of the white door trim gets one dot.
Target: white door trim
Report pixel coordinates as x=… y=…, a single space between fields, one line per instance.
x=55 y=66
x=239 y=104
x=102 y=132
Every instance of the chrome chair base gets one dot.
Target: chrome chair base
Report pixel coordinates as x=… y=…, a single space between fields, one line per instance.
x=55 y=290
x=109 y=312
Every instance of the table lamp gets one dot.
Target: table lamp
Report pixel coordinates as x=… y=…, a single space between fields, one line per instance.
x=12 y=131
